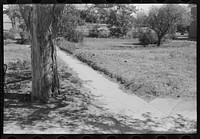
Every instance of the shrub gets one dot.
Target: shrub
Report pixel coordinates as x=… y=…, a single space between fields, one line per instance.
x=19 y=65
x=173 y=36
x=147 y=36
x=135 y=33
x=131 y=34
x=74 y=36
x=94 y=32
x=115 y=32
x=25 y=37
x=8 y=35
x=170 y=37
x=68 y=24
x=14 y=31
x=98 y=32
x=103 y=33
x=5 y=35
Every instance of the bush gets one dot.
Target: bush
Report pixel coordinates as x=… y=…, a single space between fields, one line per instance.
x=25 y=37
x=98 y=32
x=173 y=36
x=14 y=31
x=135 y=33
x=147 y=37
x=103 y=33
x=5 y=35
x=130 y=35
x=74 y=36
x=8 y=35
x=115 y=32
x=19 y=65
x=94 y=32
x=170 y=37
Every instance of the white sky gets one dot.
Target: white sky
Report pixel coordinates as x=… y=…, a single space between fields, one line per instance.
x=146 y=7
x=140 y=6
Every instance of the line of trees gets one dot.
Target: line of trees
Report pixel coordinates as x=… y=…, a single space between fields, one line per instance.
x=118 y=17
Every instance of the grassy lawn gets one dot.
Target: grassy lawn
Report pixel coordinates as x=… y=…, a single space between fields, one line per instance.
x=149 y=72
x=73 y=111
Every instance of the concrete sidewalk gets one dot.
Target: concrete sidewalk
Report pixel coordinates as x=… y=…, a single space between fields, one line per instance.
x=109 y=96
x=186 y=107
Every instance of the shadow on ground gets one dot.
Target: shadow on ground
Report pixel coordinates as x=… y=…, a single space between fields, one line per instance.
x=75 y=111
x=185 y=38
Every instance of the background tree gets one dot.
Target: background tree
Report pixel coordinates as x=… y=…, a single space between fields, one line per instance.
x=164 y=19
x=88 y=16
x=183 y=26
x=69 y=22
x=13 y=13
x=42 y=23
x=140 y=19
x=101 y=11
x=120 y=19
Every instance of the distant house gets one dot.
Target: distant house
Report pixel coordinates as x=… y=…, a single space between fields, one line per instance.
x=193 y=25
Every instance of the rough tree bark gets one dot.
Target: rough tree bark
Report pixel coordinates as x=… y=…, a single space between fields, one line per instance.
x=42 y=24
x=45 y=82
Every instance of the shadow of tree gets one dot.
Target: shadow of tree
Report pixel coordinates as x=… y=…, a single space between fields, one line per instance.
x=75 y=111
x=185 y=38
x=135 y=43
x=76 y=116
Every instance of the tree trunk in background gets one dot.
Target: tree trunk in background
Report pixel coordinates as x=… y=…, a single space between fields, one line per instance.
x=159 y=40
x=45 y=82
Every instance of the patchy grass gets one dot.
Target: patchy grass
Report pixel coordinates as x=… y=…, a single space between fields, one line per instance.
x=73 y=111
x=150 y=72
x=17 y=104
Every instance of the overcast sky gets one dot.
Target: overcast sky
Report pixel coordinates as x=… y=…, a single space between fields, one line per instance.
x=144 y=7
x=140 y=6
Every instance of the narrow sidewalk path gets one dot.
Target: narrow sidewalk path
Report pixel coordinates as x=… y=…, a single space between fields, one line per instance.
x=110 y=95
x=113 y=99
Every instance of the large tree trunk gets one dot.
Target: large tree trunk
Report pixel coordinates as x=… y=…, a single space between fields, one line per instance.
x=45 y=81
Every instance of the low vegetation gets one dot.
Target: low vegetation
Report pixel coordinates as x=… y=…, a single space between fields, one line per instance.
x=18 y=59
x=72 y=102
x=150 y=72
x=74 y=106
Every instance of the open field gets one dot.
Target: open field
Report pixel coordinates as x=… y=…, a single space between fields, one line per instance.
x=150 y=72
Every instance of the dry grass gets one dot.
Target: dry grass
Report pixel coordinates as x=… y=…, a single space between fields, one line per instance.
x=73 y=111
x=167 y=71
